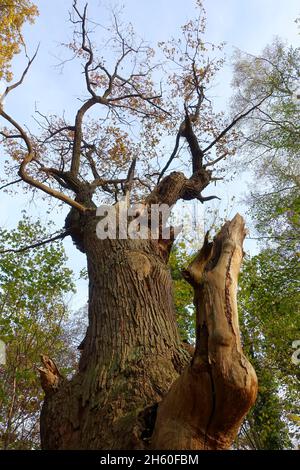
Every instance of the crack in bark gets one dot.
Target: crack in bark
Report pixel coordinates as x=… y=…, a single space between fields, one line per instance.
x=228 y=311
x=213 y=408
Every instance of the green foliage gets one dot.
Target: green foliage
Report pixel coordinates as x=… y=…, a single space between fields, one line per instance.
x=264 y=427
x=32 y=301
x=269 y=286
x=272 y=138
x=183 y=292
x=269 y=304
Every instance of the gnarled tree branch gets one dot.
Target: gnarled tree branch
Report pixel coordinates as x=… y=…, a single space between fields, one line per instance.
x=28 y=158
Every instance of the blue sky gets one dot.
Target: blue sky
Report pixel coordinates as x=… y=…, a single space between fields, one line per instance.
x=246 y=24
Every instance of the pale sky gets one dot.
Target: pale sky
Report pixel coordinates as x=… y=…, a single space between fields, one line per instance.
x=247 y=24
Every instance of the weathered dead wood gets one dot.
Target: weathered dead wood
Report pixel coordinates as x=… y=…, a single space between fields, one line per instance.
x=208 y=402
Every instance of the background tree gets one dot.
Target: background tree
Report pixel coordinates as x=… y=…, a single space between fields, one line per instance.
x=269 y=302
x=271 y=139
x=180 y=257
x=270 y=281
x=33 y=319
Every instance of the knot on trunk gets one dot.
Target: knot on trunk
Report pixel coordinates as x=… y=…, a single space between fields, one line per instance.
x=73 y=224
x=49 y=375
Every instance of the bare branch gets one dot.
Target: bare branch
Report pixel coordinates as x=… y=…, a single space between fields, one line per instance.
x=224 y=155
x=11 y=183
x=75 y=164
x=188 y=133
x=20 y=81
x=58 y=131
x=88 y=156
x=53 y=238
x=173 y=155
x=22 y=133
x=186 y=130
x=207 y=198
x=11 y=136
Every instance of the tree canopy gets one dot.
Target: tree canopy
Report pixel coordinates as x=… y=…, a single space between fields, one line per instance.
x=34 y=314
x=147 y=130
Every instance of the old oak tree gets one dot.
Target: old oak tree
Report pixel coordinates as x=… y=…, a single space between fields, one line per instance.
x=137 y=386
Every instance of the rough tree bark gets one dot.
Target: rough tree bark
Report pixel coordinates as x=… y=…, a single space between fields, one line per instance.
x=137 y=387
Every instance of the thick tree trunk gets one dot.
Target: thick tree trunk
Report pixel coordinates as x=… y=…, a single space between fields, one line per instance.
x=131 y=353
x=132 y=357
